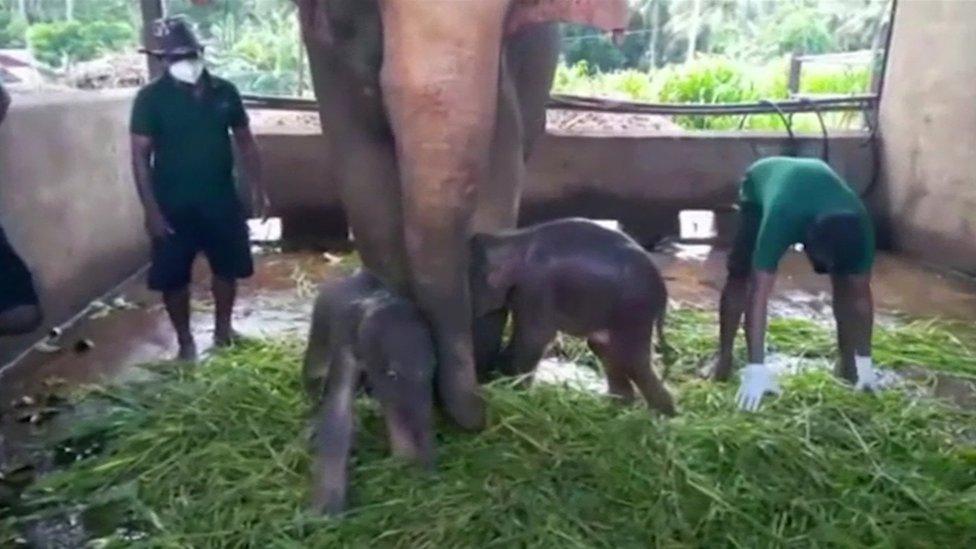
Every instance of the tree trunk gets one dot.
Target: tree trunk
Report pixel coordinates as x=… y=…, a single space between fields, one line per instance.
x=693 y=29
x=655 y=9
x=22 y=8
x=301 y=64
x=69 y=10
x=151 y=10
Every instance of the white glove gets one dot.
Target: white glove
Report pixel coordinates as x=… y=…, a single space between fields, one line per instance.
x=867 y=378
x=757 y=380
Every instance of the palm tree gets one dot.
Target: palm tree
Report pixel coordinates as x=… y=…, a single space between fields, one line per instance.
x=694 y=27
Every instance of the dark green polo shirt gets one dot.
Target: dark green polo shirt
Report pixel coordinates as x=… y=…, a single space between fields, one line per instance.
x=193 y=162
x=783 y=195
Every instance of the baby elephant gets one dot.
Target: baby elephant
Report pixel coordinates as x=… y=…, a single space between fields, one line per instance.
x=362 y=331
x=575 y=276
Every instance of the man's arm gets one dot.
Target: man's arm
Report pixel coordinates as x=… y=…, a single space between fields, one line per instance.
x=247 y=147
x=4 y=103
x=757 y=378
x=142 y=148
x=760 y=288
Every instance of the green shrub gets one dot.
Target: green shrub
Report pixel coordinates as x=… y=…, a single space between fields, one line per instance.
x=800 y=30
x=65 y=42
x=707 y=80
x=716 y=80
x=12 y=29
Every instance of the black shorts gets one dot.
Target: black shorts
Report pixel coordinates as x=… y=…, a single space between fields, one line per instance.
x=219 y=231
x=16 y=283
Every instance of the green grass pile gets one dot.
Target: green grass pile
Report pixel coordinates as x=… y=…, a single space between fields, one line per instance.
x=930 y=344
x=215 y=457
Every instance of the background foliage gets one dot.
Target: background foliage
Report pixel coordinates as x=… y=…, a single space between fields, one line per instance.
x=701 y=51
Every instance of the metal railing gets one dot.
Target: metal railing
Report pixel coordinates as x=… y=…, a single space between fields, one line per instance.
x=861 y=102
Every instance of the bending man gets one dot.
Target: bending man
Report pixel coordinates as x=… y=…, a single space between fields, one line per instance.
x=786 y=201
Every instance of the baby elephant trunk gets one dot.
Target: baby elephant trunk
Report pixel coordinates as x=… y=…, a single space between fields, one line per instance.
x=409 y=428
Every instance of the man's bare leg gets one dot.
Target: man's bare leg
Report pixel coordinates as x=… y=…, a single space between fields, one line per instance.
x=178 y=307
x=854 y=312
x=224 y=293
x=731 y=308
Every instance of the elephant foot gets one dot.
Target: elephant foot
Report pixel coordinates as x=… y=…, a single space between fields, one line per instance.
x=462 y=402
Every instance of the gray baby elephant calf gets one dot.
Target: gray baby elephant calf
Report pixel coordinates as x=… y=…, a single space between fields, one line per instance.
x=362 y=331
x=575 y=276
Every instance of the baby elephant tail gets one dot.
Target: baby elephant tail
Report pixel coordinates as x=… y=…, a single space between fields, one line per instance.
x=665 y=351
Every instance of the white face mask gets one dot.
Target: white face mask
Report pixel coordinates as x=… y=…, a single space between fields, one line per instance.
x=187 y=70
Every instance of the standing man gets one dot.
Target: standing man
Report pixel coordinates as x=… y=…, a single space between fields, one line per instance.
x=784 y=201
x=183 y=164
x=20 y=312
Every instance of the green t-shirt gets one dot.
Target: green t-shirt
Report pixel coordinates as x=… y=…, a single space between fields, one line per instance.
x=193 y=162
x=781 y=196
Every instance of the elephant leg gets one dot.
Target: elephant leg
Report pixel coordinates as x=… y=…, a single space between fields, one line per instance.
x=498 y=205
x=354 y=122
x=498 y=199
x=436 y=56
x=370 y=193
x=532 y=55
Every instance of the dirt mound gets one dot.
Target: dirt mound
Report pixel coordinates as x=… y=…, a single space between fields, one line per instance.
x=285 y=121
x=566 y=122
x=560 y=122
x=113 y=71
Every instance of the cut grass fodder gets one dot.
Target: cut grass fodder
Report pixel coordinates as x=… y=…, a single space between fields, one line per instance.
x=216 y=457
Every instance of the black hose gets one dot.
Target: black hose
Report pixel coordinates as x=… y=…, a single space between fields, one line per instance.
x=787 y=123
x=825 y=152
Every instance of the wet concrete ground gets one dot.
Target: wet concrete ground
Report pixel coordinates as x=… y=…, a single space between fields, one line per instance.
x=696 y=273
x=277 y=301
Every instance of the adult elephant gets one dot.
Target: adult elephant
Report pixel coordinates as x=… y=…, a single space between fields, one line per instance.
x=431 y=108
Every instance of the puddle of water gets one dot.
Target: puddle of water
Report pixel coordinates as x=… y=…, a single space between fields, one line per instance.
x=787 y=365
x=696 y=253
x=571 y=375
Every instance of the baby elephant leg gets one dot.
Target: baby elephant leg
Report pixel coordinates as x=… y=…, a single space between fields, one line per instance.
x=630 y=352
x=618 y=381
x=528 y=344
x=332 y=437
x=488 y=341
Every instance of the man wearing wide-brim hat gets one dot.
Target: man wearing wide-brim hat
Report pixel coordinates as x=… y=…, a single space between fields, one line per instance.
x=181 y=128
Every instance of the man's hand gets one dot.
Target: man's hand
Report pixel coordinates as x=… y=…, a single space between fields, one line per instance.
x=157 y=226
x=757 y=380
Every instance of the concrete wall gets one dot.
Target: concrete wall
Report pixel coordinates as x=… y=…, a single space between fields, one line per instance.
x=67 y=200
x=641 y=181
x=928 y=129
x=69 y=206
